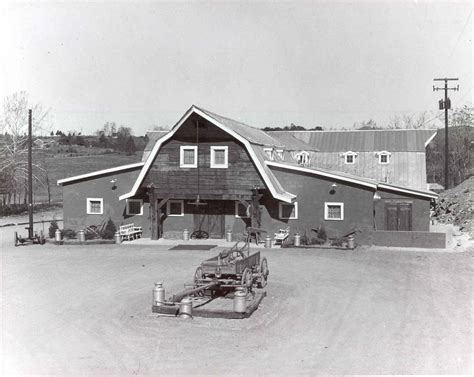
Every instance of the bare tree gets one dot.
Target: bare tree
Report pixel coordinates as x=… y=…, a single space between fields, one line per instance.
x=410 y=121
x=14 y=124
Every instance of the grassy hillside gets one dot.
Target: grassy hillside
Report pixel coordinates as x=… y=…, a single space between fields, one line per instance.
x=64 y=167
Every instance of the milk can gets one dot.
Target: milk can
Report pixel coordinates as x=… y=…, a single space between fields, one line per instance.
x=228 y=235
x=240 y=300
x=185 y=235
x=297 y=239
x=350 y=242
x=158 y=294
x=81 y=235
x=57 y=236
x=117 y=237
x=268 y=242
x=186 y=308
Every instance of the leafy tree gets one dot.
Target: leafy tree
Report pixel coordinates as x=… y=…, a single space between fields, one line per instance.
x=130 y=148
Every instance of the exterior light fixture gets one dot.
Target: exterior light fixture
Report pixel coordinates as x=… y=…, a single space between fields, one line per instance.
x=114 y=181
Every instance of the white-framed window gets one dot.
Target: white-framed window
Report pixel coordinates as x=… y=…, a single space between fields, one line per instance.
x=219 y=157
x=302 y=158
x=349 y=157
x=384 y=157
x=188 y=156
x=280 y=154
x=241 y=211
x=269 y=153
x=288 y=211
x=95 y=206
x=134 y=207
x=333 y=211
x=175 y=207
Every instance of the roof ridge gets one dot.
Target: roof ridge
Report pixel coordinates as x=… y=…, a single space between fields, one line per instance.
x=385 y=130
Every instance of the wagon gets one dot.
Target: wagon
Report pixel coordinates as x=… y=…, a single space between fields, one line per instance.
x=234 y=268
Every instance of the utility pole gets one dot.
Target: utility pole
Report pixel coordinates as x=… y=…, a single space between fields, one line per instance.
x=30 y=175
x=446 y=105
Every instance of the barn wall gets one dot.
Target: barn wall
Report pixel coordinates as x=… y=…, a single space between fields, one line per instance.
x=312 y=192
x=420 y=210
x=76 y=193
x=233 y=182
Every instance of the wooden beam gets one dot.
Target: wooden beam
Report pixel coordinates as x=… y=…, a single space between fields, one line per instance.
x=244 y=203
x=163 y=201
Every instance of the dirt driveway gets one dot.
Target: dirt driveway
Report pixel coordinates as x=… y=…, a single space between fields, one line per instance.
x=70 y=310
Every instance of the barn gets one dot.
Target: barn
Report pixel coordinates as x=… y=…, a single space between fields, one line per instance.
x=213 y=174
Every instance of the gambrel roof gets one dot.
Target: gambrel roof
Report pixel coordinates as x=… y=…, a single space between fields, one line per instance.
x=253 y=139
x=364 y=140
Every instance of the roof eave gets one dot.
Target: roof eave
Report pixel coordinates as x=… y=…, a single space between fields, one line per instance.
x=98 y=173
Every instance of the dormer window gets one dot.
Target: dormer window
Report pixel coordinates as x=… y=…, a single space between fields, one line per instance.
x=302 y=158
x=349 y=157
x=384 y=157
x=269 y=153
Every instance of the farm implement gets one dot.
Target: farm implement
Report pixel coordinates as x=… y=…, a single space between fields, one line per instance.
x=228 y=285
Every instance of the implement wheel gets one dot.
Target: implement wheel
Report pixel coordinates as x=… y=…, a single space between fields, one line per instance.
x=247 y=279
x=263 y=273
x=198 y=275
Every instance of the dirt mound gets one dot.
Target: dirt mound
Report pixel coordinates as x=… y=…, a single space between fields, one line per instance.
x=455 y=206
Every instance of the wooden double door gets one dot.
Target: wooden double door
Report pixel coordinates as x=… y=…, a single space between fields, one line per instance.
x=398 y=216
x=210 y=218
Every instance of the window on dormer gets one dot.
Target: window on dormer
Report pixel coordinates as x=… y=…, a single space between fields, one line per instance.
x=349 y=157
x=384 y=157
x=302 y=158
x=280 y=154
x=269 y=153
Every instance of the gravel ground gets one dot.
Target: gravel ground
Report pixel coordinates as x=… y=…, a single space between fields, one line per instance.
x=69 y=310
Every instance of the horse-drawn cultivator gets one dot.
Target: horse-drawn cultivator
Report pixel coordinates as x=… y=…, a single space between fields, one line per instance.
x=232 y=274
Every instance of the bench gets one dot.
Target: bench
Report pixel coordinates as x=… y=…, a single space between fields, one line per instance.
x=130 y=232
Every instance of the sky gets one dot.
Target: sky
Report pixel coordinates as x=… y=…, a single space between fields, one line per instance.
x=143 y=64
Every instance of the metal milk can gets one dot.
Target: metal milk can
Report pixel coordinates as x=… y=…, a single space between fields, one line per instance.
x=158 y=294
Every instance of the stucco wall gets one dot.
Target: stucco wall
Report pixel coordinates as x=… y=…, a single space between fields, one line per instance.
x=420 y=210
x=75 y=196
x=312 y=193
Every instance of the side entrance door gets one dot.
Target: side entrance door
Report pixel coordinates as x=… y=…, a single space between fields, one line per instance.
x=210 y=218
x=398 y=216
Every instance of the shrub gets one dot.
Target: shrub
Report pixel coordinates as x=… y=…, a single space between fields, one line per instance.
x=109 y=231
x=52 y=228
x=322 y=233
x=68 y=233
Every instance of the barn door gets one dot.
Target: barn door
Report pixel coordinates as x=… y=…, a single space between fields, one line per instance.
x=398 y=216
x=211 y=219
x=404 y=216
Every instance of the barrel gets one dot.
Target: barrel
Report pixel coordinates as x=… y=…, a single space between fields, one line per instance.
x=185 y=235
